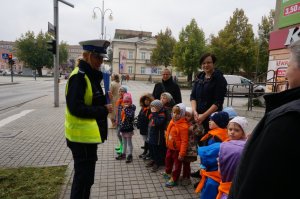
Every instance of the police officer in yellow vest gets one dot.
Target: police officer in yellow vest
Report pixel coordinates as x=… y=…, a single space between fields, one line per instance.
x=86 y=115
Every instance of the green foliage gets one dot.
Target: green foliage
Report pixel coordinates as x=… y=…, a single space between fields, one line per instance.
x=31 y=183
x=266 y=26
x=235 y=46
x=188 y=49
x=163 y=53
x=32 y=50
x=63 y=52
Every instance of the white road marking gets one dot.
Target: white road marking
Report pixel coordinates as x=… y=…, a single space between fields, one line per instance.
x=14 y=117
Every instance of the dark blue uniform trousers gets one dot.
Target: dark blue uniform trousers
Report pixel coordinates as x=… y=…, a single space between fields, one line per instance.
x=85 y=157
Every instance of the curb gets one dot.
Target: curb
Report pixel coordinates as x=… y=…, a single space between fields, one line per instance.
x=68 y=180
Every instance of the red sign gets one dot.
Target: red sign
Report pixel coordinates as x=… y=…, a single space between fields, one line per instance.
x=281 y=72
x=292 y=9
x=282 y=38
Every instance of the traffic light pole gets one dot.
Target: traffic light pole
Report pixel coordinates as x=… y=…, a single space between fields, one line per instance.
x=11 y=72
x=56 y=56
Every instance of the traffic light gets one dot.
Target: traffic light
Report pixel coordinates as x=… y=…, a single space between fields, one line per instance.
x=52 y=46
x=11 y=62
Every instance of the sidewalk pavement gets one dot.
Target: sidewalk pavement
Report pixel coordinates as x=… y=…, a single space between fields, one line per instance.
x=37 y=139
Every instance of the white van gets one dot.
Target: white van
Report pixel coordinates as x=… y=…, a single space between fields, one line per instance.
x=240 y=85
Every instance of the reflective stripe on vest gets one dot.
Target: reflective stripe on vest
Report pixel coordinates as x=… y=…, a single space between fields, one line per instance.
x=82 y=130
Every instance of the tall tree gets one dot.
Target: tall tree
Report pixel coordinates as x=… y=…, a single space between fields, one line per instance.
x=266 y=26
x=188 y=49
x=63 y=53
x=235 y=46
x=32 y=50
x=163 y=53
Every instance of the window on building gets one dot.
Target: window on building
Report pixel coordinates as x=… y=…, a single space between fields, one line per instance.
x=130 y=69
x=143 y=55
x=143 y=70
x=159 y=70
x=130 y=55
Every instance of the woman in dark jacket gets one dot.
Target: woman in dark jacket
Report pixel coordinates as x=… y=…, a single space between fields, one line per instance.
x=207 y=95
x=208 y=92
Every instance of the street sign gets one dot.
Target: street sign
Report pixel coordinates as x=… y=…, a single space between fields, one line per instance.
x=4 y=55
x=51 y=29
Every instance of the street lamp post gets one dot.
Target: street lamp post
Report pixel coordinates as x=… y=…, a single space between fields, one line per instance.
x=260 y=32
x=102 y=11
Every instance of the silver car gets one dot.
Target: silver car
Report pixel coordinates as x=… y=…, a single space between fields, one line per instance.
x=239 y=85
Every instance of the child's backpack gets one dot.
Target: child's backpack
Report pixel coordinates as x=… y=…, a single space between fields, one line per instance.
x=191 y=152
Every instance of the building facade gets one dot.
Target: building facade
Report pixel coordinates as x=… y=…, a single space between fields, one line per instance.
x=132 y=55
x=286 y=31
x=7 y=47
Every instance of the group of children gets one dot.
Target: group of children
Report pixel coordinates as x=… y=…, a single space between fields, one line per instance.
x=169 y=134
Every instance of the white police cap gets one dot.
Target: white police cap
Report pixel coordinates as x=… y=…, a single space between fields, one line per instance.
x=96 y=46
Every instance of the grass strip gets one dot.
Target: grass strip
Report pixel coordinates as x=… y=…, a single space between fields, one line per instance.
x=32 y=182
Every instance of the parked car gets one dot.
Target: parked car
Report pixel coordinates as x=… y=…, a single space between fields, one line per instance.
x=239 y=85
x=6 y=72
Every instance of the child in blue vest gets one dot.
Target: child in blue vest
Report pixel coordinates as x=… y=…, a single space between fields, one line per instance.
x=210 y=177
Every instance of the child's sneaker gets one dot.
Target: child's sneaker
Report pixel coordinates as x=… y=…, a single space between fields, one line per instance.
x=171 y=183
x=166 y=175
x=129 y=158
x=147 y=157
x=186 y=181
x=142 y=155
x=150 y=164
x=117 y=148
x=155 y=168
x=121 y=157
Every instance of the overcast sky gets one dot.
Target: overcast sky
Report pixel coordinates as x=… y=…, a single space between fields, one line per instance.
x=76 y=24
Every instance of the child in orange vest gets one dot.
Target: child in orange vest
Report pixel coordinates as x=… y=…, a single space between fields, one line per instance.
x=230 y=153
x=210 y=177
x=176 y=142
x=218 y=128
x=119 y=107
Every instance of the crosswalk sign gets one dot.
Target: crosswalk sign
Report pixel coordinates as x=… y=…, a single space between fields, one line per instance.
x=4 y=56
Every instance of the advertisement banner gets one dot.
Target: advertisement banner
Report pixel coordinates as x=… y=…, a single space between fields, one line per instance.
x=122 y=61
x=289 y=13
x=277 y=80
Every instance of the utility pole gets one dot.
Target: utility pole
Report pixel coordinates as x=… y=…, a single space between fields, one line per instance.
x=56 y=56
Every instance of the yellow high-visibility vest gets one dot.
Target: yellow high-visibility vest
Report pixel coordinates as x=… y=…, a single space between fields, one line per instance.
x=78 y=129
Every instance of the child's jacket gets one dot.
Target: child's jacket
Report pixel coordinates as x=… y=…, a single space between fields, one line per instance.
x=215 y=135
x=143 y=120
x=156 y=128
x=229 y=157
x=119 y=105
x=211 y=178
x=127 y=117
x=177 y=136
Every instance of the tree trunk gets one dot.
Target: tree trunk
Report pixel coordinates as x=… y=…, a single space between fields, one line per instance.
x=39 y=70
x=190 y=78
